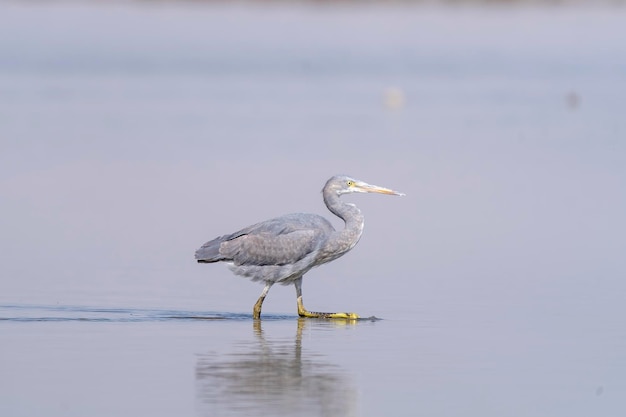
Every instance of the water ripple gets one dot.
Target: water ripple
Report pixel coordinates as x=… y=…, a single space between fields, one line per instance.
x=67 y=313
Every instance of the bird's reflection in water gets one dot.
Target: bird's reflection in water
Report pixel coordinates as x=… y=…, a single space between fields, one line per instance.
x=273 y=378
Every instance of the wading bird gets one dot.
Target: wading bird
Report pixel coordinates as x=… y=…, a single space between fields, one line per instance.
x=283 y=249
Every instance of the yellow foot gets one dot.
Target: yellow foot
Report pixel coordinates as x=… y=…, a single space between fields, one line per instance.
x=318 y=315
x=256 y=311
x=349 y=316
x=303 y=312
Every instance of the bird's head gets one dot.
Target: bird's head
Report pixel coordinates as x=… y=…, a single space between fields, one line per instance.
x=342 y=184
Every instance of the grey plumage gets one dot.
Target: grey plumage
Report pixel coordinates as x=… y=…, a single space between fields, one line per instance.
x=283 y=249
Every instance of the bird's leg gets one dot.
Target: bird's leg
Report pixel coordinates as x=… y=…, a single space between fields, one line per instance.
x=303 y=312
x=256 y=311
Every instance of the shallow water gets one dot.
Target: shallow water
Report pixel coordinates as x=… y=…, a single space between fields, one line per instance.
x=77 y=360
x=133 y=133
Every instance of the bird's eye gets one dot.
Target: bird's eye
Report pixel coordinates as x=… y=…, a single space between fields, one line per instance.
x=350 y=183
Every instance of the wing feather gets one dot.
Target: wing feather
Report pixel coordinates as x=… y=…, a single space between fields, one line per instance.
x=280 y=241
x=270 y=249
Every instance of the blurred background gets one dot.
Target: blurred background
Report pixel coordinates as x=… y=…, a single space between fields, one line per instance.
x=132 y=132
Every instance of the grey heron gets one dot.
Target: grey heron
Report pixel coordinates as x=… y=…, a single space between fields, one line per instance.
x=283 y=249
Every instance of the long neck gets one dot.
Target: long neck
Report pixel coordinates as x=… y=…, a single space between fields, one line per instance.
x=343 y=240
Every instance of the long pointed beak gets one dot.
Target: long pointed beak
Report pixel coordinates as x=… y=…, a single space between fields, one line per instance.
x=368 y=188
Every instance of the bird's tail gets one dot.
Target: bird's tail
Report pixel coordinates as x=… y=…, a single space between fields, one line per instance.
x=210 y=251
